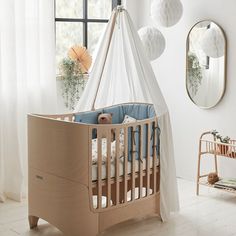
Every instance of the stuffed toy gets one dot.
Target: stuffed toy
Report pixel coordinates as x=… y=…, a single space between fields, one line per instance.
x=212 y=178
x=105 y=118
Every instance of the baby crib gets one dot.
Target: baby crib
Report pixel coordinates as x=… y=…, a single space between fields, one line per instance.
x=85 y=177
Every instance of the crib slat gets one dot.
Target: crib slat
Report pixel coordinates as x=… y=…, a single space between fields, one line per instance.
x=233 y=151
x=133 y=164
x=99 y=162
x=141 y=161
x=154 y=160
x=125 y=164
x=117 y=165
x=108 y=174
x=148 y=159
x=90 y=166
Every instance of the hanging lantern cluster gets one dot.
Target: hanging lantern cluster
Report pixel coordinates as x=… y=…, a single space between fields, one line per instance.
x=164 y=13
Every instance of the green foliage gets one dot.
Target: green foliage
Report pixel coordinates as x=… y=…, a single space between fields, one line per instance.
x=72 y=82
x=219 y=137
x=194 y=73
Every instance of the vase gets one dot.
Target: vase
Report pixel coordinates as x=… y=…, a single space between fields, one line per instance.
x=223 y=149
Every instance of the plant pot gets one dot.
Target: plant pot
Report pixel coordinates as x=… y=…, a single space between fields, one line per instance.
x=232 y=154
x=223 y=149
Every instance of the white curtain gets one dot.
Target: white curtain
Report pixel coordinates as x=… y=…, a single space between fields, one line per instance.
x=27 y=83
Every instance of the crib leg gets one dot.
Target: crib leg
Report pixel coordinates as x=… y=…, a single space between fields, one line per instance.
x=158 y=211
x=33 y=221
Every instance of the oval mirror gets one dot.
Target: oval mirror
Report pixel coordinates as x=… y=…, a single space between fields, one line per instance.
x=206 y=61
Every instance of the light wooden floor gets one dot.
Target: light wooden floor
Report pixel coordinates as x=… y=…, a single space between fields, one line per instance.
x=212 y=213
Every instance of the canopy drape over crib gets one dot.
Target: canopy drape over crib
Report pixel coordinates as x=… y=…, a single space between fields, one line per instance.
x=122 y=73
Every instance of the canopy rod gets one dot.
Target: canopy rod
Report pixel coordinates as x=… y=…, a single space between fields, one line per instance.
x=109 y=42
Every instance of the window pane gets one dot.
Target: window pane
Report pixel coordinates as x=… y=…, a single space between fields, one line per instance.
x=99 y=9
x=69 y=8
x=95 y=30
x=67 y=35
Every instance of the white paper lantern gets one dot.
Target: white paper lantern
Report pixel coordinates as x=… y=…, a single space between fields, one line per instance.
x=213 y=42
x=153 y=42
x=166 y=12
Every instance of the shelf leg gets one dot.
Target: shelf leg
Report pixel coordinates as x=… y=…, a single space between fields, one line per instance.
x=198 y=167
x=215 y=157
x=216 y=166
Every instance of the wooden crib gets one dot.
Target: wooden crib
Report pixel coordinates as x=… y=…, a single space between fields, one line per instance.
x=80 y=198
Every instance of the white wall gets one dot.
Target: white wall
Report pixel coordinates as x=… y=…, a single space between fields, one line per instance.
x=188 y=120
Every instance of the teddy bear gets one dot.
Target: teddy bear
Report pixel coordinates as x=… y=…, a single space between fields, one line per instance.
x=212 y=178
x=106 y=119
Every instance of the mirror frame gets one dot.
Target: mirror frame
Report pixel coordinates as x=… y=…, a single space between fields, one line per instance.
x=225 y=64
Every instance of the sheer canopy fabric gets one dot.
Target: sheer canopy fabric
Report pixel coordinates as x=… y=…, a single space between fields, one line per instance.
x=27 y=83
x=122 y=73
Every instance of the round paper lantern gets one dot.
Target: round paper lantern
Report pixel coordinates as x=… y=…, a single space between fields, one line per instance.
x=213 y=42
x=153 y=42
x=166 y=12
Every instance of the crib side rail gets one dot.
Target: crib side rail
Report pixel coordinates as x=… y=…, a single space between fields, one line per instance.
x=125 y=162
x=63 y=117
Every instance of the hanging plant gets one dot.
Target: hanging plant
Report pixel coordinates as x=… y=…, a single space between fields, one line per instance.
x=73 y=70
x=194 y=73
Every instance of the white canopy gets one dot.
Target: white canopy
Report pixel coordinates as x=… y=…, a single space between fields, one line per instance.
x=122 y=73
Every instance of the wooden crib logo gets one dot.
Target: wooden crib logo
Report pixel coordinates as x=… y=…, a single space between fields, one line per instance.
x=39 y=177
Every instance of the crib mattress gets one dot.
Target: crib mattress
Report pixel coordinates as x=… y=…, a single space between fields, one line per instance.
x=121 y=168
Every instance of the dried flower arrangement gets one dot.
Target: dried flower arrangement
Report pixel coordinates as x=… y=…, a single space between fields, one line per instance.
x=73 y=70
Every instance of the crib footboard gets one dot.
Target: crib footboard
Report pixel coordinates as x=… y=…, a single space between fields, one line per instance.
x=58 y=175
x=59 y=148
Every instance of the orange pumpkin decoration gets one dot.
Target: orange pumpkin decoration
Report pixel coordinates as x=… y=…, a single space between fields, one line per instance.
x=80 y=54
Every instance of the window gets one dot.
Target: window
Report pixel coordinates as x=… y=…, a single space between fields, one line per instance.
x=80 y=22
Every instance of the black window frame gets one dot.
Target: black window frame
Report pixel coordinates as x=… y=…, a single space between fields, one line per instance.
x=85 y=20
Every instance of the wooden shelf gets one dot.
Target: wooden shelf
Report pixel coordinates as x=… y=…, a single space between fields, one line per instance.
x=228 y=155
x=209 y=145
x=213 y=147
x=205 y=183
